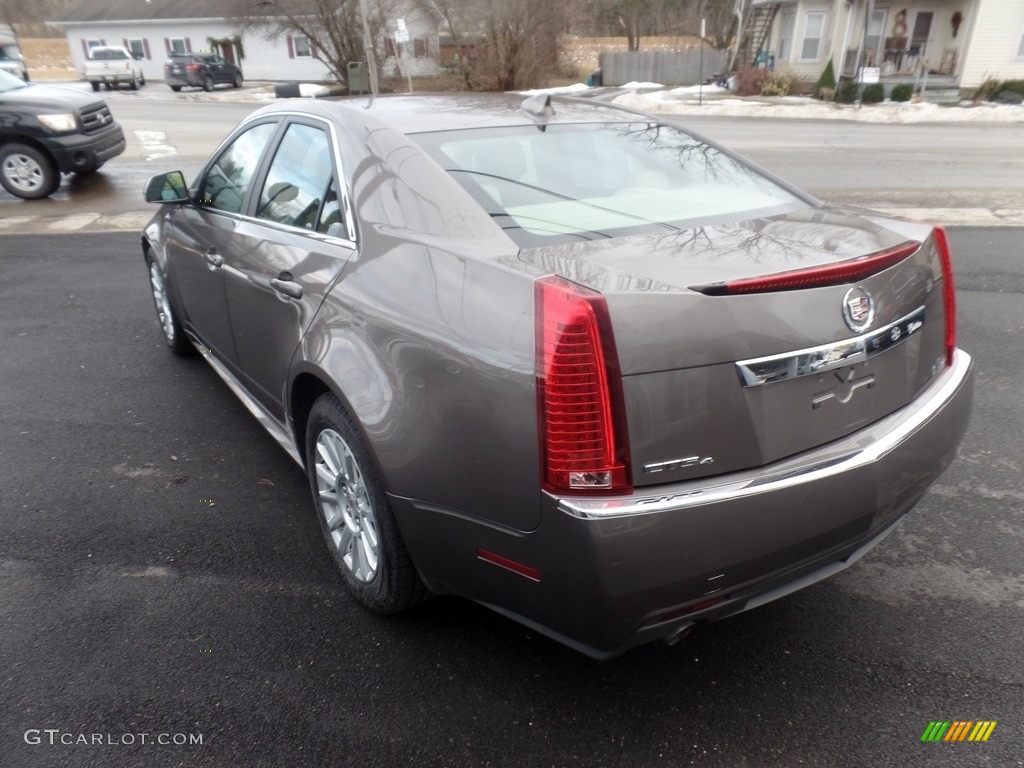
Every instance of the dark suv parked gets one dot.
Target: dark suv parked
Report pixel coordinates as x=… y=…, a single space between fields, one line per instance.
x=46 y=131
x=202 y=70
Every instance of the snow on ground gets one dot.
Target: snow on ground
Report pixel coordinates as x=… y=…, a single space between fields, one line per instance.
x=684 y=101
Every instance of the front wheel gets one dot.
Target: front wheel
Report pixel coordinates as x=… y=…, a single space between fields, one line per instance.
x=354 y=514
x=174 y=336
x=27 y=172
x=134 y=84
x=237 y=81
x=207 y=83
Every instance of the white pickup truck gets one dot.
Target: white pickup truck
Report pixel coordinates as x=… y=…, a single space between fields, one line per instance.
x=112 y=65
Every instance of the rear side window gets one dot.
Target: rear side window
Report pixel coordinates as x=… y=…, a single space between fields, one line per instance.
x=589 y=181
x=227 y=181
x=299 y=178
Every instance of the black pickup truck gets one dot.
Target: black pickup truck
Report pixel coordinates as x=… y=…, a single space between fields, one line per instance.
x=46 y=131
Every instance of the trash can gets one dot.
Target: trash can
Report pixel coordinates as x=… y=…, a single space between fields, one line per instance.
x=358 y=77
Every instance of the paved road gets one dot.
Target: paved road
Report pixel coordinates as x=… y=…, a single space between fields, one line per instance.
x=954 y=173
x=161 y=573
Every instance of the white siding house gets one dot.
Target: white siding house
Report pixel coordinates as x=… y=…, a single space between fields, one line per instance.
x=958 y=42
x=154 y=28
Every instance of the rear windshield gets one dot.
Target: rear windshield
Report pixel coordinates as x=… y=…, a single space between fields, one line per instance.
x=107 y=54
x=561 y=183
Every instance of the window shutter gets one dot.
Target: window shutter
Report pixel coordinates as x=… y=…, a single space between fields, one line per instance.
x=167 y=44
x=314 y=50
x=85 y=48
x=145 y=48
x=188 y=44
x=291 y=47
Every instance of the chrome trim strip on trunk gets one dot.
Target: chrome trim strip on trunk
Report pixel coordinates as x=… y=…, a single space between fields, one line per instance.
x=695 y=494
x=806 y=362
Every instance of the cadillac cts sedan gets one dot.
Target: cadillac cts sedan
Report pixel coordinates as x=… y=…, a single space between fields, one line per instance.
x=570 y=361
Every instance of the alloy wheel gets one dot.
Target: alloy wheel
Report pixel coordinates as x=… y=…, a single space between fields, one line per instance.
x=346 y=506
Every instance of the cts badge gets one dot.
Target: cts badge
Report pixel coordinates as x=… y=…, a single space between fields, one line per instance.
x=858 y=309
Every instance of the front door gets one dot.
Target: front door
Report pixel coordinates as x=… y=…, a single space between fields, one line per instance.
x=920 y=35
x=228 y=52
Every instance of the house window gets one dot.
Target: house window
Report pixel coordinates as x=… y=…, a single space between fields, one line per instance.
x=90 y=44
x=421 y=47
x=137 y=48
x=389 y=48
x=873 y=38
x=814 y=29
x=302 y=49
x=786 y=35
x=178 y=45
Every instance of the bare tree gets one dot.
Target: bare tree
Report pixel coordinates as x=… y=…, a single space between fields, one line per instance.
x=334 y=28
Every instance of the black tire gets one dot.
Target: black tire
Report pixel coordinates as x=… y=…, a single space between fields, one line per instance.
x=170 y=328
x=175 y=88
x=207 y=83
x=134 y=84
x=27 y=172
x=237 y=80
x=354 y=514
x=142 y=79
x=95 y=86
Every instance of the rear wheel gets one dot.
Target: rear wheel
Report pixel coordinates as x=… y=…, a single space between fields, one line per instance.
x=237 y=81
x=207 y=83
x=175 y=88
x=354 y=514
x=95 y=85
x=174 y=336
x=27 y=172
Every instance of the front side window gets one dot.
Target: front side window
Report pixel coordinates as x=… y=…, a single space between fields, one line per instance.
x=227 y=181
x=297 y=183
x=814 y=28
x=590 y=181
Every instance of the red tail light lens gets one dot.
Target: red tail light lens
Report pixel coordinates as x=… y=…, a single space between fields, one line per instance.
x=579 y=391
x=194 y=67
x=948 y=291
x=848 y=271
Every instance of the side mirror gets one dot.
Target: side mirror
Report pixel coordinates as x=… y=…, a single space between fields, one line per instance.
x=167 y=188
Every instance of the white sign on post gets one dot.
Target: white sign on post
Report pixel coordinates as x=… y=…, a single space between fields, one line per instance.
x=402 y=33
x=870 y=75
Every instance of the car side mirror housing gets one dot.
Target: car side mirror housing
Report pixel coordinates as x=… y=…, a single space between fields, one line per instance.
x=167 y=188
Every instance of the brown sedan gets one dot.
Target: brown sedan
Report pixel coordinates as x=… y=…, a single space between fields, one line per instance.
x=567 y=360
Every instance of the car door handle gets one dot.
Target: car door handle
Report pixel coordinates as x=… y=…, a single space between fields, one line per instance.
x=214 y=259
x=283 y=283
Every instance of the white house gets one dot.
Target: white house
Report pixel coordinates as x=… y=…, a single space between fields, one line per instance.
x=956 y=42
x=155 y=28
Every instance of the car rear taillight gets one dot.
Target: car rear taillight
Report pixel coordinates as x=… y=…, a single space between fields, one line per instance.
x=579 y=391
x=194 y=67
x=848 y=271
x=948 y=291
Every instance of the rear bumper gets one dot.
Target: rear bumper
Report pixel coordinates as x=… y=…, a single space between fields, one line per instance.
x=618 y=572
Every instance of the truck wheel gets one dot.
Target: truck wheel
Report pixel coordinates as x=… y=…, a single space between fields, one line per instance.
x=27 y=173
x=95 y=85
x=134 y=84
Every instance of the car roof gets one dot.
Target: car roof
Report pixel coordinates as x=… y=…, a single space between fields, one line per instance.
x=424 y=113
